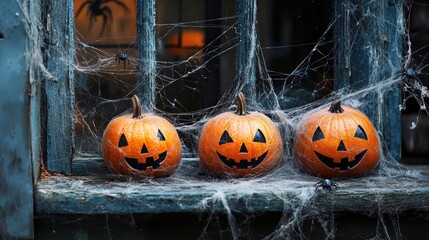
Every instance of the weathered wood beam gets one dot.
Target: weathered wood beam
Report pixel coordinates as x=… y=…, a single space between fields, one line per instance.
x=368 y=48
x=16 y=182
x=95 y=195
x=59 y=86
x=95 y=191
x=247 y=49
x=146 y=53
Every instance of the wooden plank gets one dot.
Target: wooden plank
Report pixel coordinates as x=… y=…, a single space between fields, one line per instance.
x=146 y=53
x=369 y=37
x=59 y=88
x=120 y=195
x=391 y=122
x=246 y=49
x=16 y=183
x=34 y=10
x=92 y=190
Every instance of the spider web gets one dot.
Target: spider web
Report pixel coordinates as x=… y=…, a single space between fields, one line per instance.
x=196 y=79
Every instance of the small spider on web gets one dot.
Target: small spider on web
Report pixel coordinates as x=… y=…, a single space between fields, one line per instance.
x=409 y=74
x=122 y=57
x=326 y=184
x=413 y=87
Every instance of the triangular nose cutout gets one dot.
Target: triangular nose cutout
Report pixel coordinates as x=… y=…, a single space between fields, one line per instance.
x=243 y=148
x=144 y=149
x=341 y=147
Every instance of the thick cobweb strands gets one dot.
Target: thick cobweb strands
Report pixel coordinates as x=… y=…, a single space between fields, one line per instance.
x=294 y=76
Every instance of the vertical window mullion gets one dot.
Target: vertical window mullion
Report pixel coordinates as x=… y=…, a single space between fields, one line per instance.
x=146 y=53
x=369 y=53
x=59 y=88
x=246 y=49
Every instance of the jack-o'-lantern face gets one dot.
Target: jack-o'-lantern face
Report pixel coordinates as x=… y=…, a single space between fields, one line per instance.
x=347 y=162
x=144 y=159
x=242 y=159
x=240 y=144
x=337 y=144
x=141 y=145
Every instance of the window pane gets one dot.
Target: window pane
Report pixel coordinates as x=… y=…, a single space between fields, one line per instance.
x=195 y=42
x=104 y=78
x=296 y=40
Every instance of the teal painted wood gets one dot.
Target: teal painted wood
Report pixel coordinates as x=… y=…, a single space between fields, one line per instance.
x=246 y=49
x=117 y=195
x=34 y=10
x=92 y=190
x=369 y=37
x=60 y=87
x=16 y=183
x=391 y=124
x=146 y=53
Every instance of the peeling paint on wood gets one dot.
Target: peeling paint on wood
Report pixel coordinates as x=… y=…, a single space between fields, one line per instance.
x=60 y=88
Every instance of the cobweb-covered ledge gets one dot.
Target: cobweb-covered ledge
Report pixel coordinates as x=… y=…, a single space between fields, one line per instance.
x=191 y=190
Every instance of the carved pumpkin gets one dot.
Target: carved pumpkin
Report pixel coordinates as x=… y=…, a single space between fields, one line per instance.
x=338 y=142
x=241 y=143
x=143 y=145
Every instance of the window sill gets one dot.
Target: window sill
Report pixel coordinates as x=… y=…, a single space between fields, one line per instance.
x=92 y=192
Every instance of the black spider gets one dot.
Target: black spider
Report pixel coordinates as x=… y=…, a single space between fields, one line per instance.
x=326 y=184
x=410 y=73
x=97 y=8
x=409 y=76
x=123 y=56
x=410 y=80
x=413 y=88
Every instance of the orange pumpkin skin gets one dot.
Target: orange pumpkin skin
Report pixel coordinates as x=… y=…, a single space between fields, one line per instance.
x=151 y=147
x=240 y=145
x=335 y=144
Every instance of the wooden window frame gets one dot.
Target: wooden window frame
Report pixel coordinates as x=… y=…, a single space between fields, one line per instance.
x=50 y=100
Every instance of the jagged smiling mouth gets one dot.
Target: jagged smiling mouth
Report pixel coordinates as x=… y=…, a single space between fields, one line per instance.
x=244 y=163
x=150 y=162
x=344 y=163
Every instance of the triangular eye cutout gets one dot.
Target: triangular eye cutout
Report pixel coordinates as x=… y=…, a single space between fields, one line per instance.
x=122 y=141
x=259 y=137
x=341 y=147
x=360 y=133
x=160 y=136
x=318 y=134
x=225 y=138
x=144 y=149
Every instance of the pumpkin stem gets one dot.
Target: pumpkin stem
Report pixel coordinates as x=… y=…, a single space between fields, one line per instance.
x=336 y=106
x=137 y=107
x=241 y=104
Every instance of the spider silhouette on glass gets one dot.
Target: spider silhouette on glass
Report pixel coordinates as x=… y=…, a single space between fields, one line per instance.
x=98 y=8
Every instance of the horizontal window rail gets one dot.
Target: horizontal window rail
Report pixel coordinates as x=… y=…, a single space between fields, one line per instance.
x=94 y=191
